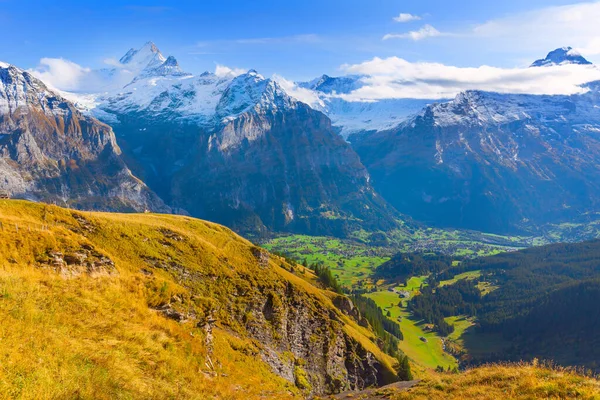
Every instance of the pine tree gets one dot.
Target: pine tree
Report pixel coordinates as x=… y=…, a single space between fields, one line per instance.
x=404 y=372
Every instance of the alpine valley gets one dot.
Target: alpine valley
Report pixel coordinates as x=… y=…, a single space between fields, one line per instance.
x=243 y=151
x=398 y=248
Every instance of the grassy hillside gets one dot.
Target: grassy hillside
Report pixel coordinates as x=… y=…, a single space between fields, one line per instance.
x=99 y=305
x=503 y=381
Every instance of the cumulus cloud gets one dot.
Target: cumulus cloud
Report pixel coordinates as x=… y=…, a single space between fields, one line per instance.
x=113 y=62
x=61 y=74
x=305 y=95
x=426 y=31
x=405 y=17
x=66 y=75
x=395 y=77
x=222 y=71
x=573 y=25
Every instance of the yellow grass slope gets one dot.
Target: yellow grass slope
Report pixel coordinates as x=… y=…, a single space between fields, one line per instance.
x=502 y=381
x=67 y=332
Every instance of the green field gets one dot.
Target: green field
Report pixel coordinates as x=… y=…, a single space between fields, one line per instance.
x=461 y=324
x=352 y=262
x=464 y=275
x=428 y=354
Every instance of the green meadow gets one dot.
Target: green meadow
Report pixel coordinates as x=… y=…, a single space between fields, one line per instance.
x=429 y=353
x=353 y=261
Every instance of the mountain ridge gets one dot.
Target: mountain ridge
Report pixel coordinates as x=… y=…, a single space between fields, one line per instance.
x=241 y=151
x=561 y=56
x=491 y=162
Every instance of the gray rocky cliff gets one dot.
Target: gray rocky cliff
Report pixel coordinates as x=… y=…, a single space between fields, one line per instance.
x=51 y=152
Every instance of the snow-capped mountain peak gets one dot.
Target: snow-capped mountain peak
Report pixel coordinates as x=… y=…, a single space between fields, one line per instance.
x=340 y=85
x=561 y=56
x=168 y=68
x=147 y=57
x=19 y=89
x=249 y=90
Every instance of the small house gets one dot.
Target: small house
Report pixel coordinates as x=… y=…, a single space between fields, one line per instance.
x=4 y=195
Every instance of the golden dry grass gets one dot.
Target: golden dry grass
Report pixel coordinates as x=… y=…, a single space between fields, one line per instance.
x=82 y=336
x=505 y=381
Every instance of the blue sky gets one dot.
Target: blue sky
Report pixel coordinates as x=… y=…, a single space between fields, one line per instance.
x=298 y=40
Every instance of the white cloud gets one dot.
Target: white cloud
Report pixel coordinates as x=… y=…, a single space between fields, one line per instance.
x=397 y=78
x=547 y=28
x=222 y=71
x=305 y=95
x=66 y=75
x=426 y=31
x=405 y=17
x=113 y=62
x=60 y=73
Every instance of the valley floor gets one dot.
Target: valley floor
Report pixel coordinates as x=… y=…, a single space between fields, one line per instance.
x=353 y=263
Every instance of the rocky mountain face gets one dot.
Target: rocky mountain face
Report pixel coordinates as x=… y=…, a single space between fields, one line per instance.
x=285 y=320
x=240 y=151
x=50 y=152
x=493 y=162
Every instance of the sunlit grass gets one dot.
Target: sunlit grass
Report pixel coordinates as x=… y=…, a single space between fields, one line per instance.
x=504 y=381
x=77 y=335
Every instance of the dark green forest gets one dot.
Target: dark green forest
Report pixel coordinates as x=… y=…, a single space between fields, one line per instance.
x=547 y=304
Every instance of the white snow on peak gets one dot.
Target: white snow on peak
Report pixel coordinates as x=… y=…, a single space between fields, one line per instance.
x=148 y=56
x=355 y=116
x=204 y=99
x=145 y=81
x=249 y=90
x=478 y=108
x=335 y=85
x=19 y=89
x=561 y=56
x=168 y=68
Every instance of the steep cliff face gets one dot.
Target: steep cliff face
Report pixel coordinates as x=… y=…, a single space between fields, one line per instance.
x=179 y=300
x=50 y=152
x=302 y=340
x=240 y=151
x=494 y=162
x=284 y=170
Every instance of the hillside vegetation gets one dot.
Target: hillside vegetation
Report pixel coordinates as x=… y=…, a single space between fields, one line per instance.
x=535 y=303
x=502 y=381
x=99 y=305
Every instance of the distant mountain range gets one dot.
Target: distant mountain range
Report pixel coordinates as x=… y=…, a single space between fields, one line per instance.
x=353 y=117
x=242 y=151
x=494 y=162
x=238 y=150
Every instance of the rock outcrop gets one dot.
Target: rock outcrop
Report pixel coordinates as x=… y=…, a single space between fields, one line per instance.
x=301 y=342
